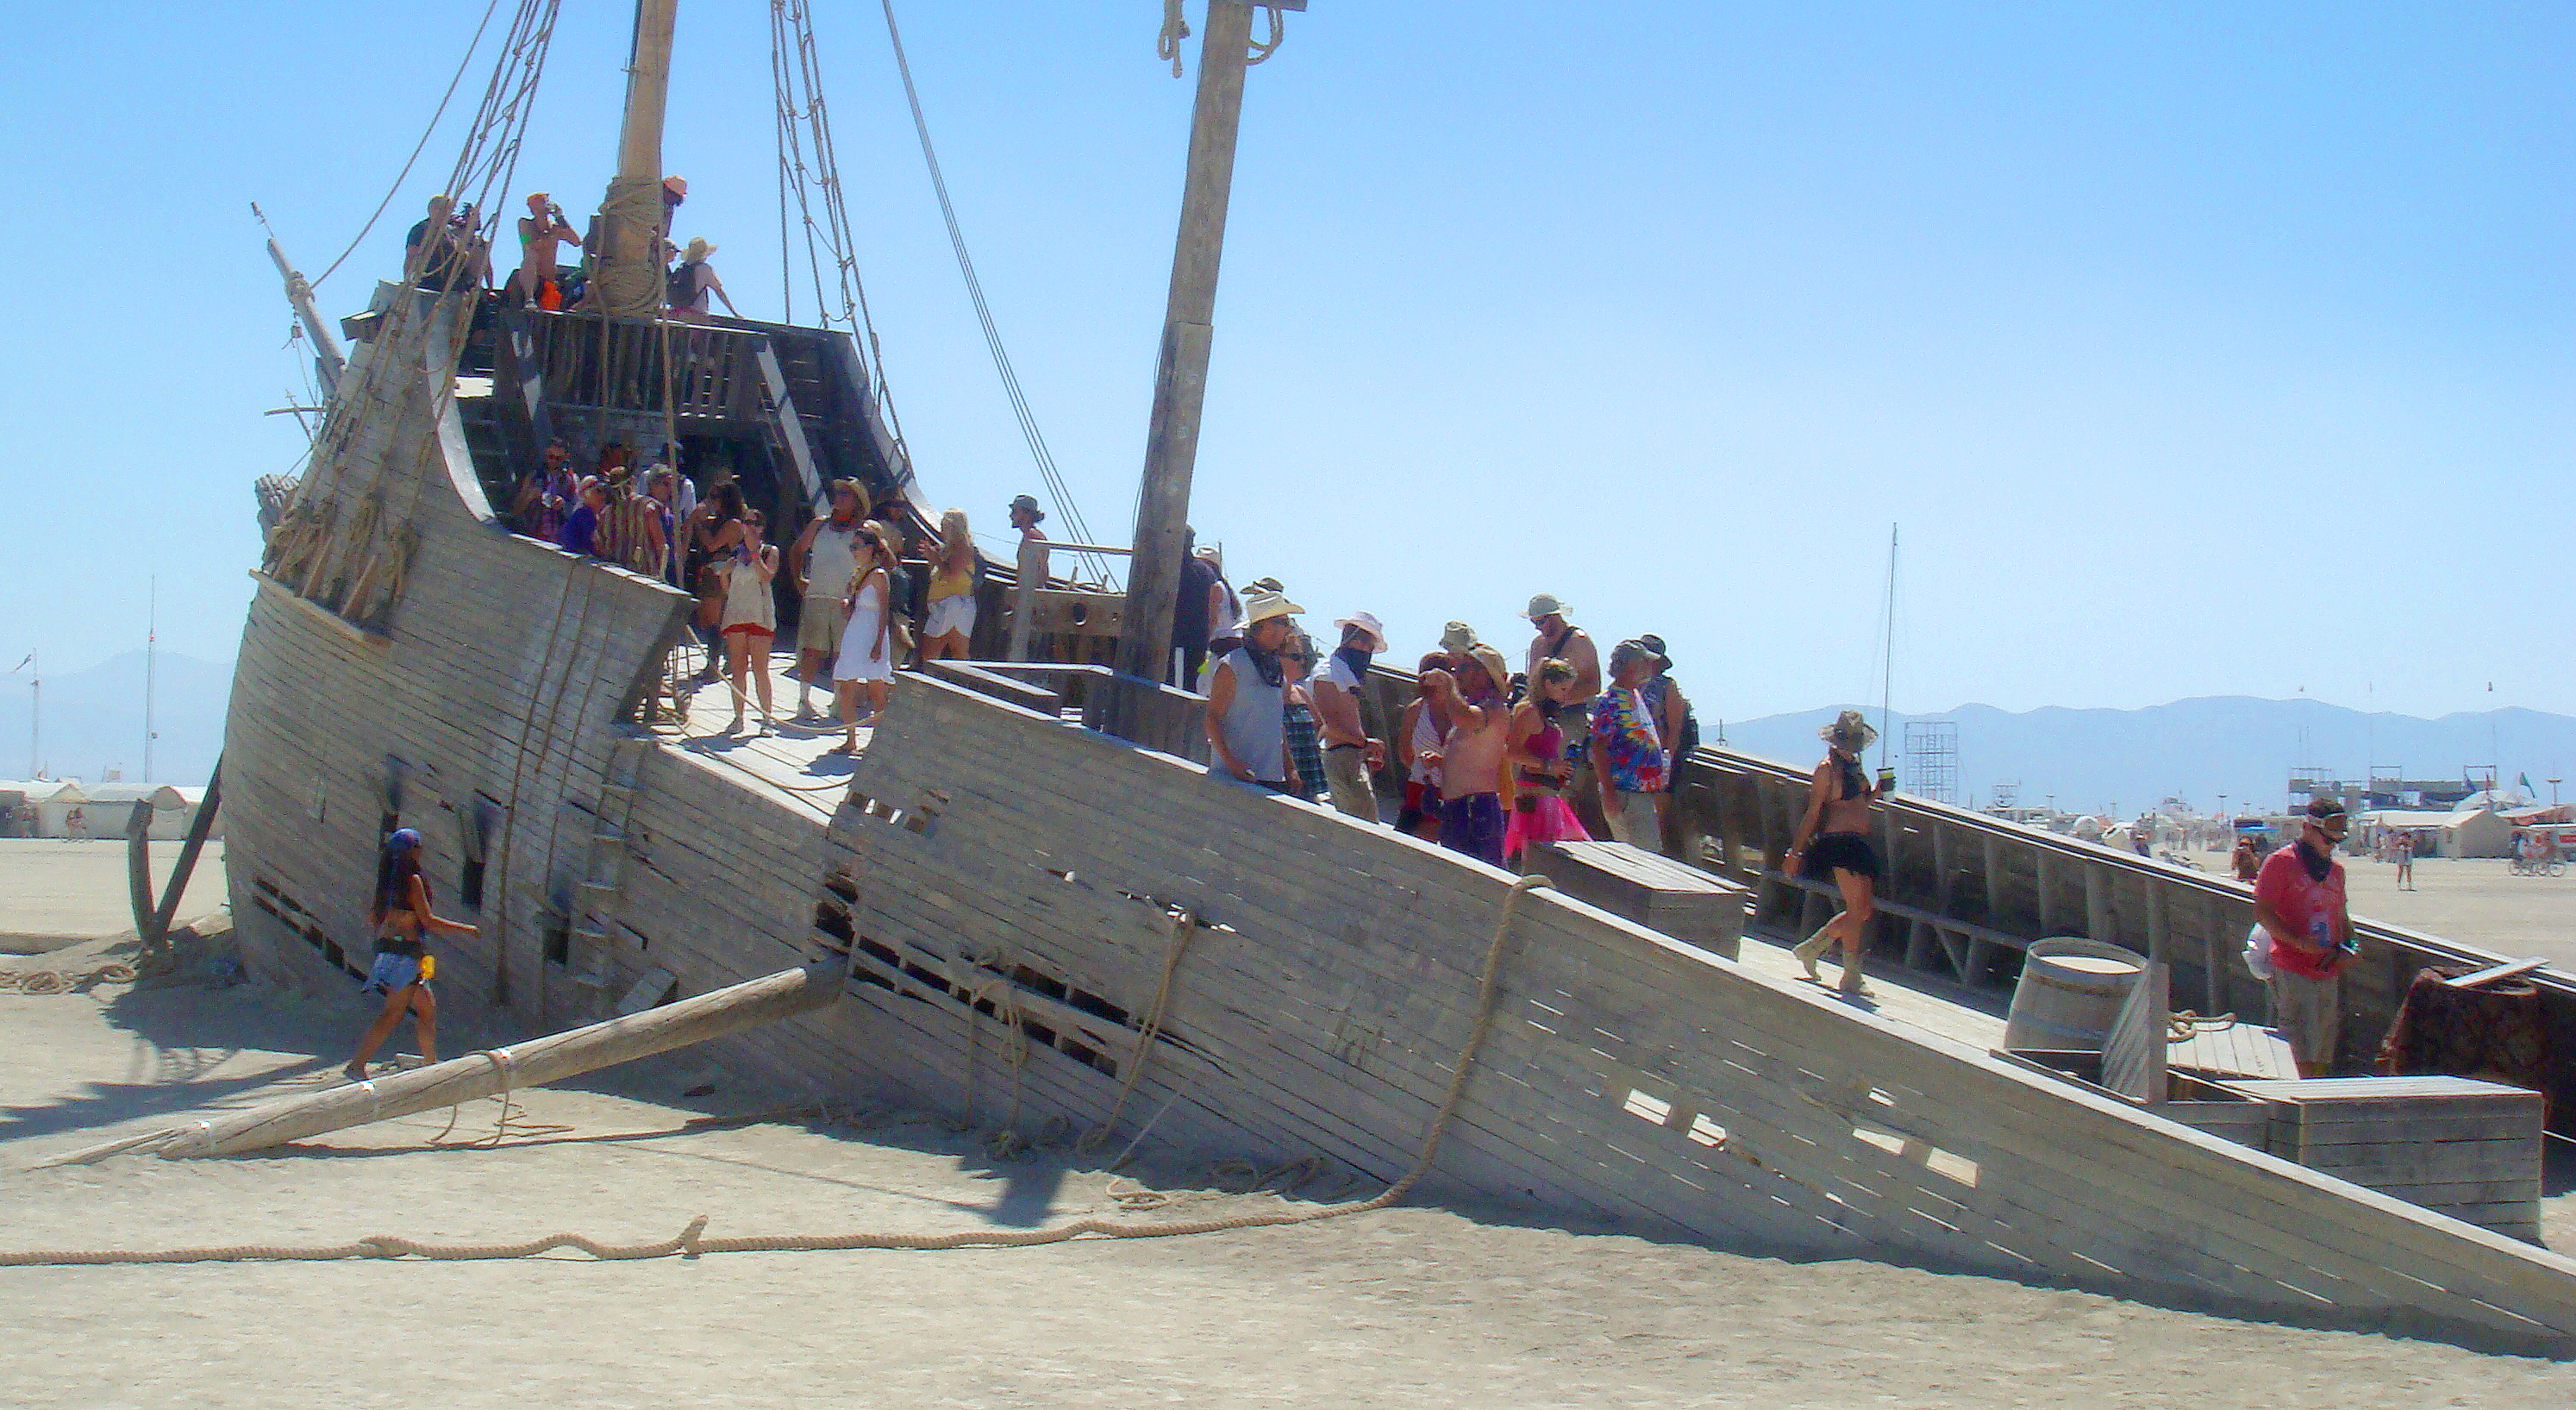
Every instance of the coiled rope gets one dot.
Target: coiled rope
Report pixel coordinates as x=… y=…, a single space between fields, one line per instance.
x=49 y=981
x=692 y=1242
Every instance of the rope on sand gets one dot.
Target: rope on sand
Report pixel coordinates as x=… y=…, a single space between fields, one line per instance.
x=692 y=1241
x=48 y=981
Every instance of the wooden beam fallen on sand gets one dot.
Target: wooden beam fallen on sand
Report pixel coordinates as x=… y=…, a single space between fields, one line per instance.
x=549 y=1059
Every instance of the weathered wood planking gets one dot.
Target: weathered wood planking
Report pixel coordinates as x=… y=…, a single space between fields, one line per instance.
x=1325 y=1015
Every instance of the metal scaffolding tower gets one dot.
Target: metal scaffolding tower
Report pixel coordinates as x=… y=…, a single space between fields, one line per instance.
x=1932 y=760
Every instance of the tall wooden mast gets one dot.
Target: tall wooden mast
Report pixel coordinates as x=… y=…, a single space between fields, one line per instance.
x=1180 y=379
x=630 y=220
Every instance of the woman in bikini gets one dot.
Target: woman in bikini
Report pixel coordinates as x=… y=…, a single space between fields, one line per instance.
x=1833 y=845
x=403 y=967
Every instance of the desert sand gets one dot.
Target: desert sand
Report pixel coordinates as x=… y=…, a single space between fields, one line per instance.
x=1407 y=1307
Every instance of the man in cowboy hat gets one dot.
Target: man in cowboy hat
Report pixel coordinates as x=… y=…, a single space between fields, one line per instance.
x=1349 y=753
x=1247 y=709
x=1554 y=636
x=693 y=279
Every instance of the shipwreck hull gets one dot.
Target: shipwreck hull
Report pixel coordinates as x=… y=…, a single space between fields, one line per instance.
x=1002 y=888
x=1003 y=880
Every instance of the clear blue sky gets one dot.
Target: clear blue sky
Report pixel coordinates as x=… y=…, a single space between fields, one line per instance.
x=2145 y=321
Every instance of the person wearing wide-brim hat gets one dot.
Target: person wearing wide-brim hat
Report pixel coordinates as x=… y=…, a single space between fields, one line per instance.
x=1247 y=709
x=1832 y=844
x=693 y=280
x=1553 y=635
x=1349 y=753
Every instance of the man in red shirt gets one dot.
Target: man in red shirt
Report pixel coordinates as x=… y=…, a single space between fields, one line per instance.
x=2299 y=902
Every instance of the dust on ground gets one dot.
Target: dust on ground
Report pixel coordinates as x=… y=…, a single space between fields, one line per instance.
x=2470 y=900
x=1407 y=1307
x=55 y=891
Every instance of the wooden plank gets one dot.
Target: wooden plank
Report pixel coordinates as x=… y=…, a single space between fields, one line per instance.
x=2492 y=973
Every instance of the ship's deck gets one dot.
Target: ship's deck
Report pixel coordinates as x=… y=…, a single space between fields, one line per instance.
x=1976 y=1016
x=792 y=757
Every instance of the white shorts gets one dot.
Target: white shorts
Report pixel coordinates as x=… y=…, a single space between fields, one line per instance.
x=950 y=614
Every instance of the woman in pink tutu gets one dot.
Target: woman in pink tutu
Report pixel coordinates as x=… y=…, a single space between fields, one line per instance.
x=1540 y=766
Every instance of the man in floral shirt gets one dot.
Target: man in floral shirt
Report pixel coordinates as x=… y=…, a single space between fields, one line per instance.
x=1627 y=754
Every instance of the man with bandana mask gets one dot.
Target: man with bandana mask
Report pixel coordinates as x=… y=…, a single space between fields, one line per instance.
x=1349 y=754
x=2299 y=903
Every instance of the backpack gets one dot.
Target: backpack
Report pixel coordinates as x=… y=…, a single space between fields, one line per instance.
x=680 y=290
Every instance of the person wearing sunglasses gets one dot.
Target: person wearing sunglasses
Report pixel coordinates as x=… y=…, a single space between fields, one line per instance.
x=2299 y=905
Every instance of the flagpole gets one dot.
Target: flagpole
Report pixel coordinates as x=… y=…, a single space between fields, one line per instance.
x=151 y=658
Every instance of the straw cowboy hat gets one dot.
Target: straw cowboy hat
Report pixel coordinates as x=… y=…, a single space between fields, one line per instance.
x=1497 y=673
x=1367 y=622
x=1259 y=607
x=698 y=249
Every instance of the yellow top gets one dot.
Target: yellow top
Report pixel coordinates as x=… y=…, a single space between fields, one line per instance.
x=944 y=583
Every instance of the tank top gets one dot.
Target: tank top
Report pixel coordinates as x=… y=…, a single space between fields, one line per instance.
x=944 y=583
x=1546 y=741
x=1426 y=738
x=1256 y=723
x=834 y=562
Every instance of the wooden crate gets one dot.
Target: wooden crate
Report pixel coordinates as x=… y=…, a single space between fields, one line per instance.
x=1656 y=892
x=2468 y=1149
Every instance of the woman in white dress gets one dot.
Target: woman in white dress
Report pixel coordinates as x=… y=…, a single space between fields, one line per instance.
x=750 y=613
x=867 y=643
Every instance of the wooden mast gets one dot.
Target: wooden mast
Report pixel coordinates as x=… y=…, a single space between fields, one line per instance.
x=1180 y=379
x=630 y=220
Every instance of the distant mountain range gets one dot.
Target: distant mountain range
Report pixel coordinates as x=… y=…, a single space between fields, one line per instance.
x=2129 y=760
x=2091 y=760
x=93 y=720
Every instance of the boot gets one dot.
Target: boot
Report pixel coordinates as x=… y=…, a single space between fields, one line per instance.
x=1812 y=949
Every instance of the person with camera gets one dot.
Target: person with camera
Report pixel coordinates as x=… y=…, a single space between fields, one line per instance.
x=541 y=232
x=442 y=252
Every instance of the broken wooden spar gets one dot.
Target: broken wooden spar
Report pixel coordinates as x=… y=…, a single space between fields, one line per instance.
x=551 y=1059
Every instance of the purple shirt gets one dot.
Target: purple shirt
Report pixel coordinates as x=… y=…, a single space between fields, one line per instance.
x=580 y=530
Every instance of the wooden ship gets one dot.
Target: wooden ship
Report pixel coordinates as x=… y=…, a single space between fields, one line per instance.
x=1034 y=906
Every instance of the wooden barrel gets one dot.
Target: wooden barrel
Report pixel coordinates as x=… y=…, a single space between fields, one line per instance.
x=2070 y=990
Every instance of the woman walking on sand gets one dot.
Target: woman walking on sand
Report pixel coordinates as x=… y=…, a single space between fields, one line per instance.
x=1833 y=845
x=403 y=966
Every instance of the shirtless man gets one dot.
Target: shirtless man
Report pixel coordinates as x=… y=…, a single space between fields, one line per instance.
x=1473 y=756
x=540 y=231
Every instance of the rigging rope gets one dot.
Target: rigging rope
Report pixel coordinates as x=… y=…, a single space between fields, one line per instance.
x=418 y=147
x=1167 y=45
x=803 y=119
x=1038 y=451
